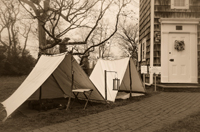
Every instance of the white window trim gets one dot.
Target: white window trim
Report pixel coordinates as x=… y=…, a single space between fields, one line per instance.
x=143 y=46
x=180 y=7
x=139 y=52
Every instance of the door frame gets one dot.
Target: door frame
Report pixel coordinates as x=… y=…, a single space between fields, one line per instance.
x=189 y=26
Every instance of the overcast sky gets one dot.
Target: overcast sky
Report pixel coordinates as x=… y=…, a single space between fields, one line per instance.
x=33 y=42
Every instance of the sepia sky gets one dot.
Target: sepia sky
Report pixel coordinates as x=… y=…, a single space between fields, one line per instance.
x=32 y=44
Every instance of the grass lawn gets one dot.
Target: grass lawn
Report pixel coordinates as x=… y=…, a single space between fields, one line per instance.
x=189 y=124
x=35 y=119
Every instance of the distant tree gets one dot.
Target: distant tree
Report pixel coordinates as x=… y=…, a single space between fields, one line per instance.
x=128 y=37
x=25 y=34
x=17 y=64
x=14 y=60
x=2 y=58
x=102 y=34
x=13 y=26
x=128 y=33
x=8 y=17
x=96 y=52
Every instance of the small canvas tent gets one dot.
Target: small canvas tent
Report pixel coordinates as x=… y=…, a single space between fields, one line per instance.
x=121 y=67
x=53 y=74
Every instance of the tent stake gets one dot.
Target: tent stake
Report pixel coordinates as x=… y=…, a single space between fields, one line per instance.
x=130 y=78
x=68 y=103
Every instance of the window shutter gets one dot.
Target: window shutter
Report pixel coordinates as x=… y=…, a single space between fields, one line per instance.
x=139 y=52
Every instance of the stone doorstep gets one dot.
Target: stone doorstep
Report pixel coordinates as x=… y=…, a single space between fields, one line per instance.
x=174 y=86
x=178 y=87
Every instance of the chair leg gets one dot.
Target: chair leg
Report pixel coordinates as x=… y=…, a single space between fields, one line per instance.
x=69 y=100
x=87 y=99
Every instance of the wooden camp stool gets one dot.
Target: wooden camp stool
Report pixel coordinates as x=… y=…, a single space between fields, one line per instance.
x=77 y=91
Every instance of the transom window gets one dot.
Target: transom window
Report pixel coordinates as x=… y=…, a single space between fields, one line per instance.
x=180 y=4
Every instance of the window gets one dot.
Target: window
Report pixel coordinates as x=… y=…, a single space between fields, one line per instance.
x=143 y=50
x=180 y=4
x=139 y=52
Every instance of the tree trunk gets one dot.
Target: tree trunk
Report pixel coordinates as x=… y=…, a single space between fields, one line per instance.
x=42 y=35
x=41 y=31
x=62 y=48
x=85 y=64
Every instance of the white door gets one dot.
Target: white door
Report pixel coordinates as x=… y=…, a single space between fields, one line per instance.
x=179 y=61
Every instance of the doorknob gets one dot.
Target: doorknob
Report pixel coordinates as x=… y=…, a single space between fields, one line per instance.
x=171 y=59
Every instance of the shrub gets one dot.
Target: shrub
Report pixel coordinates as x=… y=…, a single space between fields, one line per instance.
x=16 y=64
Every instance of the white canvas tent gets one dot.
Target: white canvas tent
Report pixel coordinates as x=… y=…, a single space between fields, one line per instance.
x=121 y=67
x=53 y=75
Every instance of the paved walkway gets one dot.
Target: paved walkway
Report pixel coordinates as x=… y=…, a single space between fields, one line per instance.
x=147 y=115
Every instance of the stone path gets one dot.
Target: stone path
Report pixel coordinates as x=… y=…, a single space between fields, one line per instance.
x=147 y=115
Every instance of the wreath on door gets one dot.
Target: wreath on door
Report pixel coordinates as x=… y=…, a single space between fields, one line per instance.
x=179 y=45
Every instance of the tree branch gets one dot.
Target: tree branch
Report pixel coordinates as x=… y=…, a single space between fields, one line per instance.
x=31 y=5
x=116 y=27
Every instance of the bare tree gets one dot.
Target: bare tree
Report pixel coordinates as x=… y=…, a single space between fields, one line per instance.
x=128 y=36
x=76 y=14
x=97 y=36
x=8 y=18
x=128 y=32
x=102 y=34
x=14 y=59
x=25 y=34
x=12 y=27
